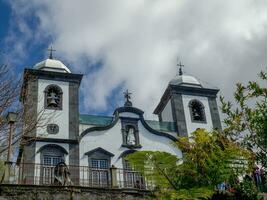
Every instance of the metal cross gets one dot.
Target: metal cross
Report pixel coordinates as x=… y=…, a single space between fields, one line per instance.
x=51 y=52
x=180 y=68
x=127 y=95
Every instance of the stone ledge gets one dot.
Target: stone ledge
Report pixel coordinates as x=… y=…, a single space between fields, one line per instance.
x=30 y=192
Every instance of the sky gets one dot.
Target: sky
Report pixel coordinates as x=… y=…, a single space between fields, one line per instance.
x=134 y=45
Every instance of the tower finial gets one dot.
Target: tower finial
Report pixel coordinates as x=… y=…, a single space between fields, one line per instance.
x=180 y=65
x=51 y=52
x=127 y=96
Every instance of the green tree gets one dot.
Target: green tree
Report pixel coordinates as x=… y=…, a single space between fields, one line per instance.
x=207 y=161
x=247 y=121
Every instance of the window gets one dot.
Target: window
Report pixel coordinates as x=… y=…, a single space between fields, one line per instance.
x=197 y=111
x=101 y=164
x=99 y=173
x=132 y=179
x=51 y=155
x=53 y=97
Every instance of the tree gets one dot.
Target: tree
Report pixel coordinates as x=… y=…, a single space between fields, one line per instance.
x=209 y=159
x=247 y=121
x=11 y=91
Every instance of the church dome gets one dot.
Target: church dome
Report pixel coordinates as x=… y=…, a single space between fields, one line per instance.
x=185 y=80
x=52 y=65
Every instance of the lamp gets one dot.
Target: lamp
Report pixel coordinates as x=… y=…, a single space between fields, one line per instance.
x=11 y=117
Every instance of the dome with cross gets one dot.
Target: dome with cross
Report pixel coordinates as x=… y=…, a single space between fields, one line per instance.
x=52 y=65
x=185 y=80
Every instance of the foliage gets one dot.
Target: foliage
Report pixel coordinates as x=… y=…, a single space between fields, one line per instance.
x=208 y=160
x=247 y=190
x=247 y=123
x=163 y=165
x=188 y=194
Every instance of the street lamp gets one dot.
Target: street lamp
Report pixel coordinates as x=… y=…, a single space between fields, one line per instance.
x=11 y=119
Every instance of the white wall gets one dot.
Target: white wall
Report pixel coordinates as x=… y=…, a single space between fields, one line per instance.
x=166 y=114
x=192 y=126
x=111 y=140
x=83 y=127
x=59 y=117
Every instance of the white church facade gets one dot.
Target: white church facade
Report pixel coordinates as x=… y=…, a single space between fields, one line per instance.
x=89 y=142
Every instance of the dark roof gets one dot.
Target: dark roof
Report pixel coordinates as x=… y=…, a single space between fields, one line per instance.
x=106 y=120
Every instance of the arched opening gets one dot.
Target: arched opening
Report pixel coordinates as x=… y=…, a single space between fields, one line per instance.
x=53 y=97
x=130 y=135
x=197 y=111
x=50 y=156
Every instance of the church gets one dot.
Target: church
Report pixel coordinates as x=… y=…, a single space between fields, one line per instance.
x=91 y=145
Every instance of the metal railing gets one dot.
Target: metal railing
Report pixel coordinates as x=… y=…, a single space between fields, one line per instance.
x=38 y=174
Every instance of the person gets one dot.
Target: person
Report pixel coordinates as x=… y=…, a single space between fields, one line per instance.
x=62 y=175
x=257 y=176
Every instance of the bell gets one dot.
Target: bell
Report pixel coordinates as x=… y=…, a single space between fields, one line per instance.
x=53 y=102
x=52 y=99
x=196 y=115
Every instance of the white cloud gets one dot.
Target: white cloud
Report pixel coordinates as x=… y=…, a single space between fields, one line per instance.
x=220 y=42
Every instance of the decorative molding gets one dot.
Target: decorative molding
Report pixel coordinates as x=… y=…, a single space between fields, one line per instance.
x=186 y=90
x=55 y=76
x=100 y=128
x=43 y=139
x=52 y=129
x=53 y=146
x=127 y=152
x=116 y=118
x=99 y=150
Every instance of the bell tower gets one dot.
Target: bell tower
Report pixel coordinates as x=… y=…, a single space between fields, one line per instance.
x=50 y=95
x=190 y=104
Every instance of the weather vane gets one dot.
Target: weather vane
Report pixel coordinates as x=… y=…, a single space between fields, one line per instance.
x=51 y=52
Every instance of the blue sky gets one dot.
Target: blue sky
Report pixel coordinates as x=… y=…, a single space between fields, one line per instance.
x=39 y=51
x=134 y=45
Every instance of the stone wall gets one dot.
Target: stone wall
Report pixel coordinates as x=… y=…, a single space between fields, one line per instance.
x=32 y=192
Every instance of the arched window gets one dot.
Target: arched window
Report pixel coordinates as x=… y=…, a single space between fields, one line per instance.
x=50 y=156
x=53 y=97
x=197 y=111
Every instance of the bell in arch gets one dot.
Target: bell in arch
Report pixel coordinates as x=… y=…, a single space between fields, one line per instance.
x=52 y=99
x=196 y=114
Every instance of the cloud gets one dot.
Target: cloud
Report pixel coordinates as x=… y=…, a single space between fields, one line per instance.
x=137 y=43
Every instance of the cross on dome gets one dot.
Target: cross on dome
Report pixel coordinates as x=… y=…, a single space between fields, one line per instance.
x=127 y=96
x=180 y=65
x=51 y=52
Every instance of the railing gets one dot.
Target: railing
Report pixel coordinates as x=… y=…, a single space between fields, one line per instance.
x=38 y=174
